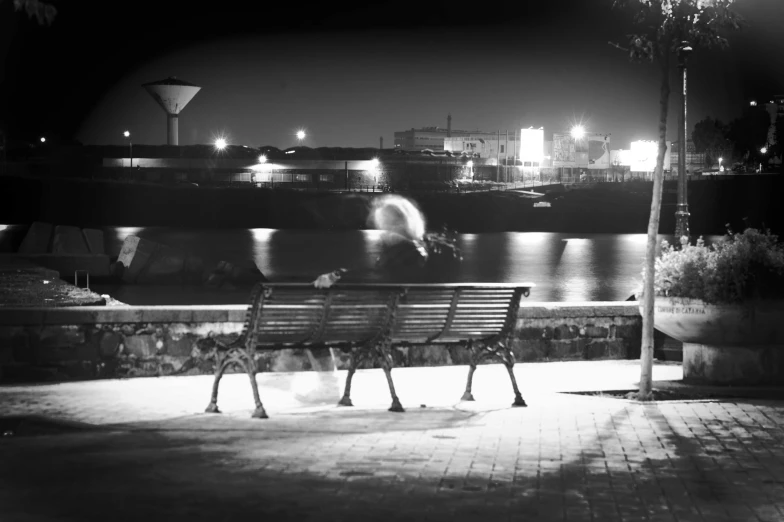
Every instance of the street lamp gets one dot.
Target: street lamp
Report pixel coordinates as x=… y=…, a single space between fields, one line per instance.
x=578 y=132
x=301 y=135
x=764 y=150
x=220 y=143
x=262 y=158
x=43 y=140
x=130 y=149
x=682 y=212
x=720 y=159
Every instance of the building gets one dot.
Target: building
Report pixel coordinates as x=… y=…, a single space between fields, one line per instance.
x=431 y=138
x=695 y=161
x=493 y=146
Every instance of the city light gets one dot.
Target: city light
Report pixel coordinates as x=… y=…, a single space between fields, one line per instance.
x=262 y=159
x=753 y=103
x=43 y=140
x=127 y=134
x=301 y=135
x=578 y=132
x=764 y=150
x=532 y=146
x=220 y=143
x=470 y=164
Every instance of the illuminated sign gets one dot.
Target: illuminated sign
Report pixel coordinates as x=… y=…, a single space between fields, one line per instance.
x=532 y=146
x=643 y=155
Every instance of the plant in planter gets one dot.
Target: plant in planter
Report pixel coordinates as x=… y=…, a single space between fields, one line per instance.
x=725 y=302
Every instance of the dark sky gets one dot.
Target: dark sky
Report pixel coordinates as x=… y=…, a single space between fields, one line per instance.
x=351 y=72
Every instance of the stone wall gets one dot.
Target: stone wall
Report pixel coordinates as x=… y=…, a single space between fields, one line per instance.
x=47 y=344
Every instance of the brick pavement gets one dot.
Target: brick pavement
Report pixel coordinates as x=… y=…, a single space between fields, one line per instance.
x=565 y=457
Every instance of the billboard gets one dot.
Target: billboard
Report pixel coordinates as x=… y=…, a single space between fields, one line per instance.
x=598 y=151
x=532 y=146
x=563 y=150
x=643 y=155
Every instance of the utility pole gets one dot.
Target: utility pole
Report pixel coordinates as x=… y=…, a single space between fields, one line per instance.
x=498 y=157
x=506 y=158
x=682 y=212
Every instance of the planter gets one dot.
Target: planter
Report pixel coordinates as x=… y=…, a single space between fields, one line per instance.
x=726 y=344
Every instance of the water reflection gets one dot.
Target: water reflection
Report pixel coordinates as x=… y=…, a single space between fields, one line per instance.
x=591 y=267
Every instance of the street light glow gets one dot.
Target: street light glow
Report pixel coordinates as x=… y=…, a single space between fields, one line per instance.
x=43 y=140
x=764 y=150
x=578 y=132
x=262 y=159
x=300 y=135
x=126 y=134
x=220 y=143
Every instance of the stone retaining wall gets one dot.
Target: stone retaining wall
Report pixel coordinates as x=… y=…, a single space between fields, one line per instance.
x=45 y=344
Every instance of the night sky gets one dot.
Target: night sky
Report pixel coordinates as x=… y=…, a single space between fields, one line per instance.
x=350 y=72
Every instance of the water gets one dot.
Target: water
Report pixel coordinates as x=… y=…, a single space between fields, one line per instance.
x=564 y=267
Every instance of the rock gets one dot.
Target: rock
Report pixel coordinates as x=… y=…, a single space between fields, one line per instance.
x=134 y=254
x=165 y=264
x=37 y=239
x=94 y=239
x=230 y=274
x=69 y=240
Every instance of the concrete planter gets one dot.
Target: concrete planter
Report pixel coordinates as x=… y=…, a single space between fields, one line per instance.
x=726 y=344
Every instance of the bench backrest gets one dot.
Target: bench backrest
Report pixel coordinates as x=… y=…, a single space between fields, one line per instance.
x=298 y=314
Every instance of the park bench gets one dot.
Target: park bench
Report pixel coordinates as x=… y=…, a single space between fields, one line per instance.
x=367 y=320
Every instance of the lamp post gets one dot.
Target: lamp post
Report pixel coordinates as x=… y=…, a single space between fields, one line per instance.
x=301 y=135
x=220 y=143
x=578 y=133
x=130 y=151
x=682 y=212
x=720 y=159
x=763 y=151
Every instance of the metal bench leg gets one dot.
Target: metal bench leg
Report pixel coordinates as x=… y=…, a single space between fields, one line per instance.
x=357 y=356
x=508 y=359
x=250 y=365
x=467 y=395
x=220 y=367
x=382 y=351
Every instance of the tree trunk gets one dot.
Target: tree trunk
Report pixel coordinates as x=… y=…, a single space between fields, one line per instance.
x=646 y=354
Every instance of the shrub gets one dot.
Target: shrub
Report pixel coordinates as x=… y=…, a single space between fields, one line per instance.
x=741 y=266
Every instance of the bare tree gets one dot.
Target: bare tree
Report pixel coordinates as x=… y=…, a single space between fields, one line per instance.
x=665 y=27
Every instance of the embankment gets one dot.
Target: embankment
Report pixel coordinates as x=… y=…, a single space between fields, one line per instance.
x=595 y=208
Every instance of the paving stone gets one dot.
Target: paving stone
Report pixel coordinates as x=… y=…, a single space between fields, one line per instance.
x=565 y=457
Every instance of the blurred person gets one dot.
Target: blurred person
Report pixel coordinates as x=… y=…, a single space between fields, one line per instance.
x=408 y=254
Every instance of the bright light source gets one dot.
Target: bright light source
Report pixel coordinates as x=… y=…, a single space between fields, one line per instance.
x=721 y=159
x=220 y=143
x=374 y=162
x=470 y=164
x=262 y=159
x=300 y=134
x=43 y=140
x=578 y=132
x=764 y=150
x=753 y=103
x=290 y=151
x=531 y=145
x=127 y=134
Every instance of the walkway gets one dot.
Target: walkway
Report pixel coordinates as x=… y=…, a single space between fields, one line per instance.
x=149 y=454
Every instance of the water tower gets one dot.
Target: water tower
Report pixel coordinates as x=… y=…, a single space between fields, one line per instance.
x=173 y=95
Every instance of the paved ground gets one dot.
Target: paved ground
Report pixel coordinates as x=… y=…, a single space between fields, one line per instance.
x=149 y=454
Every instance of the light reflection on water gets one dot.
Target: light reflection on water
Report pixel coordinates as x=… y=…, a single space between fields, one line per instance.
x=565 y=267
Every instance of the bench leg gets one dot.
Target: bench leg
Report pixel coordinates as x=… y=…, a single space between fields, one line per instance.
x=467 y=395
x=250 y=365
x=357 y=356
x=346 y=399
x=508 y=359
x=220 y=367
x=386 y=363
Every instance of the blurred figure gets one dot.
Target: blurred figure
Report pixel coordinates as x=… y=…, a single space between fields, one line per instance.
x=407 y=252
